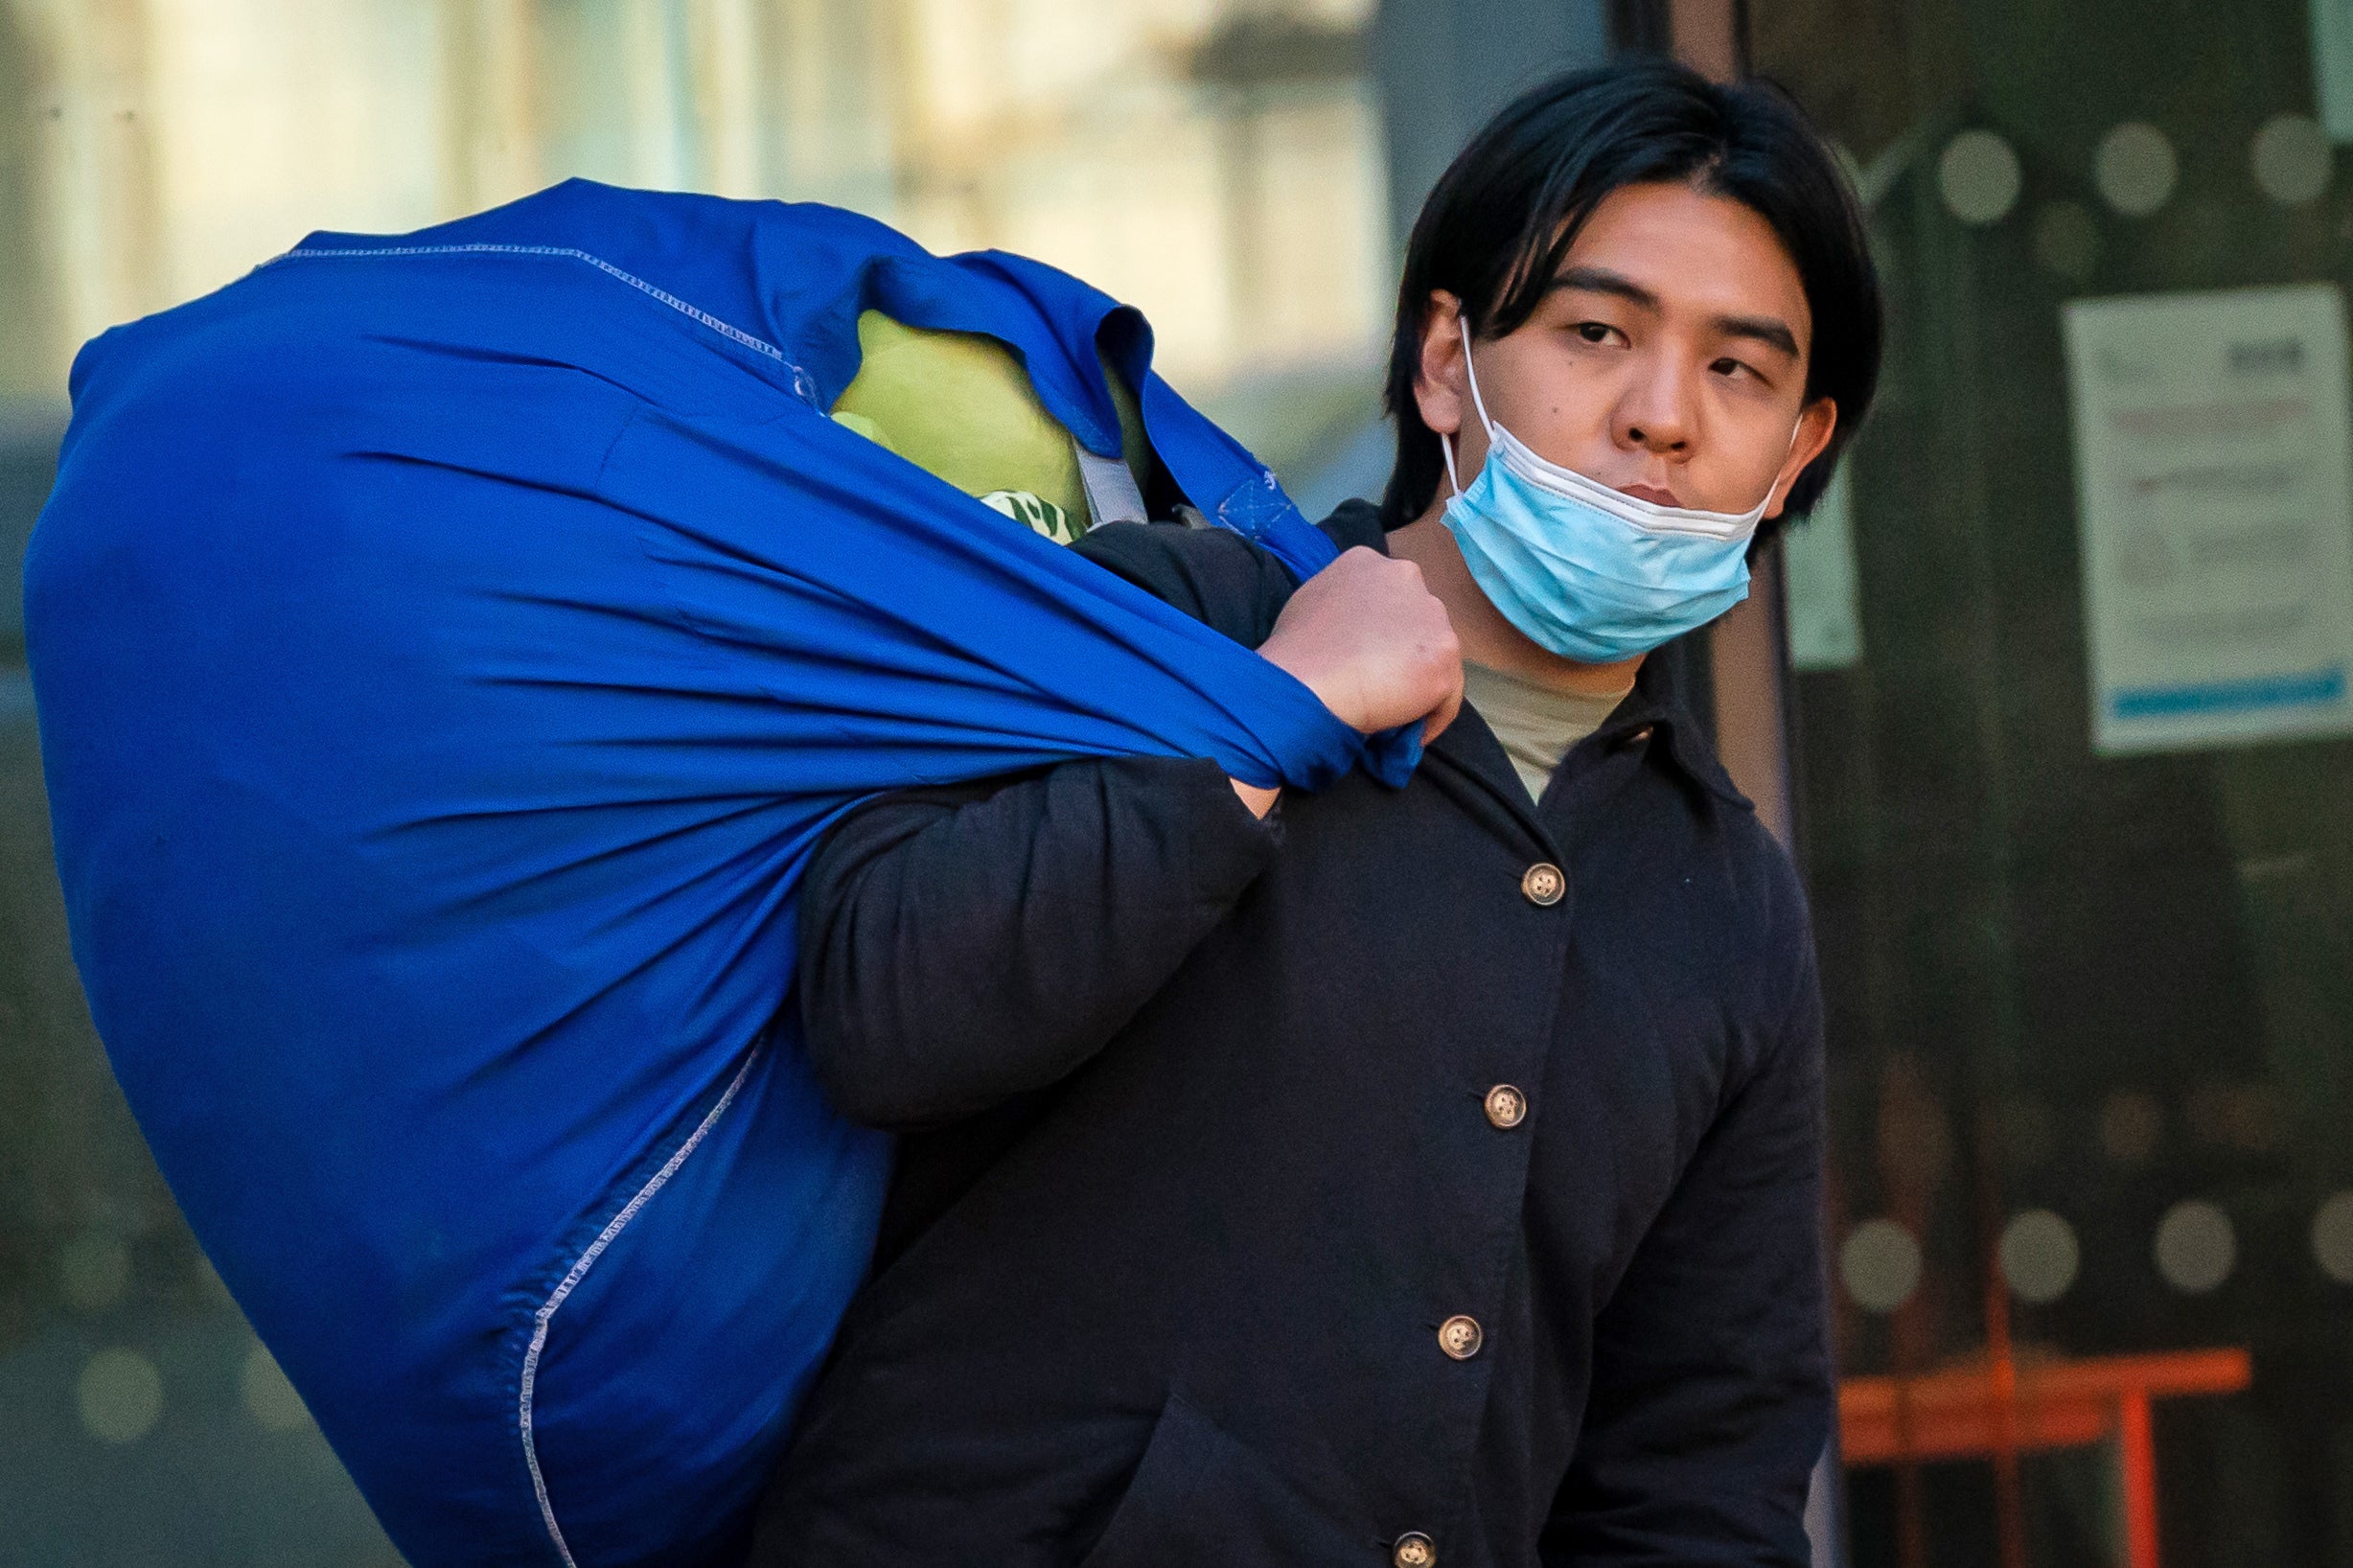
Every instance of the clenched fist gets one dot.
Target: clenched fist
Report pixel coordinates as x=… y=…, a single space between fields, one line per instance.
x=1368 y=639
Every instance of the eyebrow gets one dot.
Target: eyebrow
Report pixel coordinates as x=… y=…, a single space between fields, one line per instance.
x=1770 y=331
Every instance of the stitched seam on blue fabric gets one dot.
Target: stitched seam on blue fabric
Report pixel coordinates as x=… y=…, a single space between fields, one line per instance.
x=800 y=377
x=579 y=1271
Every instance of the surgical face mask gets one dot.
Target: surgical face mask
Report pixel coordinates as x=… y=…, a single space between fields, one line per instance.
x=1581 y=570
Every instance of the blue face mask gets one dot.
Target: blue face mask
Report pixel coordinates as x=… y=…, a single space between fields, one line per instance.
x=1589 y=573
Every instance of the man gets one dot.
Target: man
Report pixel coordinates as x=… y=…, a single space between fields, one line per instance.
x=1421 y=1176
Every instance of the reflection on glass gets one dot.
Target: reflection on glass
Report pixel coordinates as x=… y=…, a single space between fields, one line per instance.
x=2195 y=1247
x=2038 y=1256
x=2332 y=1237
x=2292 y=159
x=1880 y=1264
x=2136 y=169
x=1980 y=176
x=119 y=1394
x=2067 y=240
x=2091 y=1004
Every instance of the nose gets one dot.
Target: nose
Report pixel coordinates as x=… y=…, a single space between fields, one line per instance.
x=1656 y=413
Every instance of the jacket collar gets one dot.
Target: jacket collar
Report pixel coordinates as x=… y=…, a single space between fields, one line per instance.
x=1653 y=707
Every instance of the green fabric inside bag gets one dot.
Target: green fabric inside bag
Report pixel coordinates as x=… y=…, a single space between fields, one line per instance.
x=960 y=406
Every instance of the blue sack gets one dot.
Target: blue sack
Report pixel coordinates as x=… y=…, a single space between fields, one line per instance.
x=447 y=650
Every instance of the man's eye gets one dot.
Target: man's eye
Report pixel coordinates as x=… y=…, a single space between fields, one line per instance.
x=1596 y=332
x=1731 y=367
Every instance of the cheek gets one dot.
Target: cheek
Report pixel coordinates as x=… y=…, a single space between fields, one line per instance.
x=1740 y=464
x=1566 y=415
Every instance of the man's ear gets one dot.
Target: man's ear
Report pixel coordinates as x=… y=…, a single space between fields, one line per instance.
x=1439 y=389
x=1815 y=427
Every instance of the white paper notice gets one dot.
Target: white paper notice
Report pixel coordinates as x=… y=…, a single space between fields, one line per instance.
x=2214 y=486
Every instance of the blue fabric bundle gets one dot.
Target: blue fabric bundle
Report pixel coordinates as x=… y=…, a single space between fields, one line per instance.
x=447 y=650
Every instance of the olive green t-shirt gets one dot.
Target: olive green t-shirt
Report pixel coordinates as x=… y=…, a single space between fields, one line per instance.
x=1536 y=724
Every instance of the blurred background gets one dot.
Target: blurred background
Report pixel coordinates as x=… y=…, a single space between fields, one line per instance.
x=2050 y=697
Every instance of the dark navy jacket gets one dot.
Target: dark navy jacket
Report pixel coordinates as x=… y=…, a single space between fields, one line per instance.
x=1217 y=1242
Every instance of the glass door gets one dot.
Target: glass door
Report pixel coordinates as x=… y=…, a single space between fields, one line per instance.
x=2074 y=769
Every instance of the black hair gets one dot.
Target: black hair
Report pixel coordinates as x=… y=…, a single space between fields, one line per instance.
x=1500 y=222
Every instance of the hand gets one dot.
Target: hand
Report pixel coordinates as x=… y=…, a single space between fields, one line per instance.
x=1368 y=639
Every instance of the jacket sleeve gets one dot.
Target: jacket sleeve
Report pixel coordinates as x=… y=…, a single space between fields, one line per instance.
x=1213 y=574
x=1711 y=1399
x=959 y=947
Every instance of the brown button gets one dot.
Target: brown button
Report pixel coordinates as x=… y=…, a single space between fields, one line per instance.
x=1544 y=884
x=1414 y=1550
x=1505 y=1106
x=1460 y=1337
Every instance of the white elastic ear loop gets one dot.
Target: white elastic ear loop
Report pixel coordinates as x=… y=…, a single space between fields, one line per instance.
x=1473 y=371
x=1795 y=431
x=1445 y=444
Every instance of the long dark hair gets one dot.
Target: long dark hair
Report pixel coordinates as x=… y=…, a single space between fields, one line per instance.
x=1500 y=221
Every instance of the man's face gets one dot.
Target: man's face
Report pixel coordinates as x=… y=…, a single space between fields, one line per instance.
x=1667 y=361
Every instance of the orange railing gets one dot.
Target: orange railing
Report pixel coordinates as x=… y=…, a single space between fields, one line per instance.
x=2003 y=1407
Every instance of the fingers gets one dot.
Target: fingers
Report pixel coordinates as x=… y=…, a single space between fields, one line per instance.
x=1445 y=714
x=1368 y=639
x=1440 y=673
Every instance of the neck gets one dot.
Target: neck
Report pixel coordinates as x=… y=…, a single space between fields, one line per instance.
x=1485 y=637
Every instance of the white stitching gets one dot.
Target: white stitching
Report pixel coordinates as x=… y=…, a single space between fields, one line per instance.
x=800 y=382
x=579 y=1271
x=628 y=1212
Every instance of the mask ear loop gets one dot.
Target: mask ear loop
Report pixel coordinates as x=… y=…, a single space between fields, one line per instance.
x=1795 y=431
x=1445 y=444
x=1473 y=371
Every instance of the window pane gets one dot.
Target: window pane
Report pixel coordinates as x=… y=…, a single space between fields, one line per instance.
x=2077 y=771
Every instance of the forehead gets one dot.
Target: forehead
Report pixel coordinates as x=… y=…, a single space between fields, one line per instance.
x=1704 y=255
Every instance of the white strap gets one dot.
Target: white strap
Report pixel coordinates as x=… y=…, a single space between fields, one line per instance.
x=1112 y=496
x=1473 y=371
x=1445 y=443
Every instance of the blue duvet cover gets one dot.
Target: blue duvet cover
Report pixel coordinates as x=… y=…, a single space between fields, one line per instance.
x=448 y=648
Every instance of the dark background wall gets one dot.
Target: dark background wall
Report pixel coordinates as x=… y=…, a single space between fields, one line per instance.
x=1444 y=65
